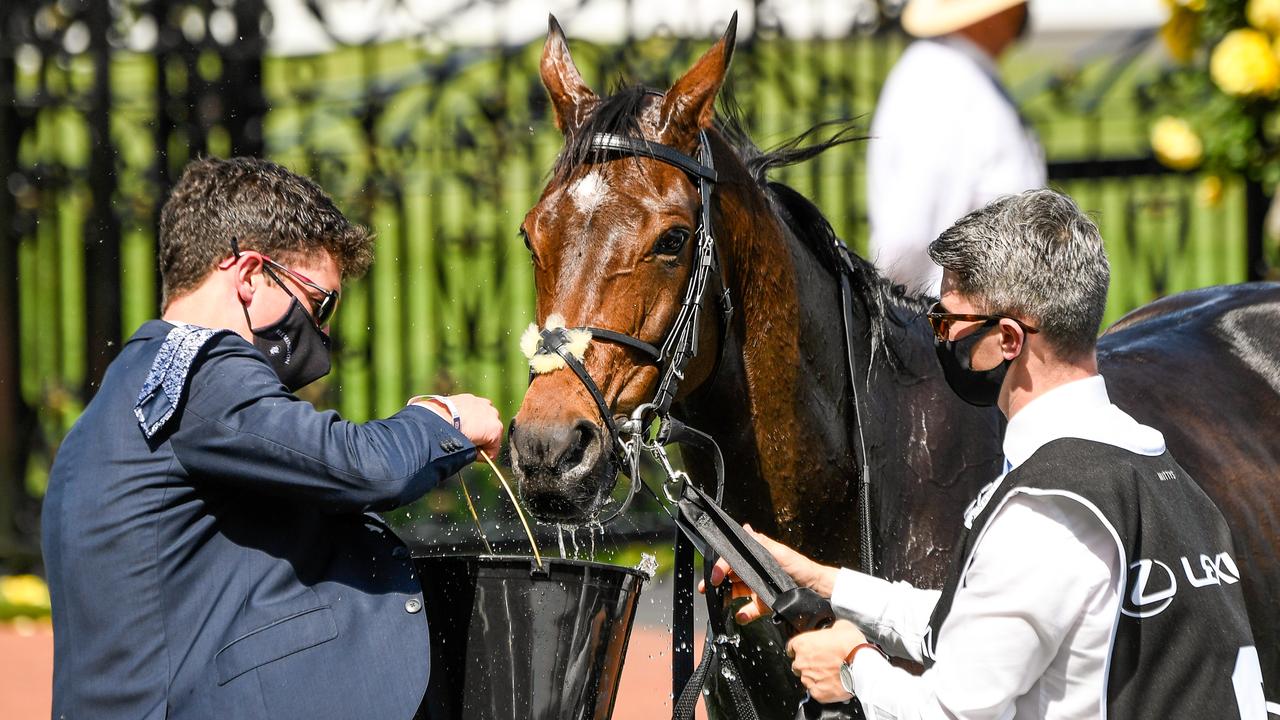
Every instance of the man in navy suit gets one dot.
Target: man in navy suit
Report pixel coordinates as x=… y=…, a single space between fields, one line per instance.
x=208 y=536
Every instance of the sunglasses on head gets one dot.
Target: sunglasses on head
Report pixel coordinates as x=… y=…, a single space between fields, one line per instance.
x=941 y=321
x=323 y=310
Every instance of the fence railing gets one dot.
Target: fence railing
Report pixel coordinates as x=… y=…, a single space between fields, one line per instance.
x=441 y=150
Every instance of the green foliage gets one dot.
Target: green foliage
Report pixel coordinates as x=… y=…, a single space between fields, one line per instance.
x=1238 y=129
x=23 y=596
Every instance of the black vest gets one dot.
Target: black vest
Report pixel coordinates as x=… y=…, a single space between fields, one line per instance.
x=1182 y=633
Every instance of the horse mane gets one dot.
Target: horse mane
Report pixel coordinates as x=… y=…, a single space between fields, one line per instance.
x=619 y=114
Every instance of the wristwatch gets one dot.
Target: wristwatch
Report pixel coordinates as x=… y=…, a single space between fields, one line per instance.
x=846 y=667
x=444 y=402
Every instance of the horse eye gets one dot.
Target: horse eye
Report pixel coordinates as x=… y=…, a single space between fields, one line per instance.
x=671 y=241
x=524 y=235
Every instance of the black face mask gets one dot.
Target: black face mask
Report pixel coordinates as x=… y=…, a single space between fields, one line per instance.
x=297 y=350
x=976 y=387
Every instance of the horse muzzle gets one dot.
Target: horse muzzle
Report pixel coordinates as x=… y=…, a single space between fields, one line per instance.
x=565 y=471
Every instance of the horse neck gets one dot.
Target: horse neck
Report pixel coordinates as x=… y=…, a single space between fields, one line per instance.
x=781 y=409
x=778 y=405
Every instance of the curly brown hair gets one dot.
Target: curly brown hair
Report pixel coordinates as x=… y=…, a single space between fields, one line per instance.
x=265 y=207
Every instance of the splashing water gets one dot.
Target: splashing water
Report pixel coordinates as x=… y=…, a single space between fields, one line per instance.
x=734 y=640
x=648 y=565
x=560 y=537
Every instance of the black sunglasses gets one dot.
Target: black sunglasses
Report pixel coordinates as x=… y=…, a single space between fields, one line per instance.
x=941 y=321
x=322 y=310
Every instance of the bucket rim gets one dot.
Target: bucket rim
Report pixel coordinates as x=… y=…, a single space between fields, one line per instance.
x=532 y=561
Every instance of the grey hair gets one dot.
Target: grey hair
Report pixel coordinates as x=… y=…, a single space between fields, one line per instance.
x=1034 y=256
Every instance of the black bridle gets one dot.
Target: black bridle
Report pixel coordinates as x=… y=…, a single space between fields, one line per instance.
x=681 y=342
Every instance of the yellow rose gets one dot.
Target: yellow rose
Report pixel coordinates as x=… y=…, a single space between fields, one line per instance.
x=1243 y=64
x=1176 y=144
x=1181 y=33
x=1209 y=191
x=1264 y=15
x=27 y=590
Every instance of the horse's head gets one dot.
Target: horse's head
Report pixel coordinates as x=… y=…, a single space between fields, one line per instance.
x=612 y=240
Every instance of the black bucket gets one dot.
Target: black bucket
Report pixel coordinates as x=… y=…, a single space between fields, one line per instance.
x=510 y=640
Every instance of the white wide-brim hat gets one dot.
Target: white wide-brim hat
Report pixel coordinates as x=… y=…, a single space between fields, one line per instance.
x=931 y=18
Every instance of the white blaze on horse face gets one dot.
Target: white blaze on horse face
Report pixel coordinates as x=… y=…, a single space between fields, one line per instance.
x=589 y=191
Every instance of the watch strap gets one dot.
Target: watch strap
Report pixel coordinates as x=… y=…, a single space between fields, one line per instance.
x=444 y=401
x=846 y=667
x=453 y=409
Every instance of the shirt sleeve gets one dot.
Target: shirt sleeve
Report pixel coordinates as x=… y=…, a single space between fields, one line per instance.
x=240 y=426
x=892 y=615
x=1040 y=565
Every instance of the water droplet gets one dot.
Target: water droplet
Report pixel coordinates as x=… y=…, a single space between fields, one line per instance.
x=734 y=640
x=648 y=565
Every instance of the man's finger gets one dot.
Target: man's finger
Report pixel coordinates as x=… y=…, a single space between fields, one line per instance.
x=719 y=571
x=749 y=613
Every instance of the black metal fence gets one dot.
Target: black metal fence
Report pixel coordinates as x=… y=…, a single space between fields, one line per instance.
x=441 y=148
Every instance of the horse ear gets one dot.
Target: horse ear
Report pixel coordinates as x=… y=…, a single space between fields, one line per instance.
x=570 y=96
x=689 y=105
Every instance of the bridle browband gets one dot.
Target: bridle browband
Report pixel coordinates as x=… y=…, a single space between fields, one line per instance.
x=680 y=344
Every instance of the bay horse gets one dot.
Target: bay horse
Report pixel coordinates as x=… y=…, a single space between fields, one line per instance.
x=610 y=245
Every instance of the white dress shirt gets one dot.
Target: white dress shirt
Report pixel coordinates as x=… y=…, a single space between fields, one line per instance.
x=945 y=140
x=1030 y=629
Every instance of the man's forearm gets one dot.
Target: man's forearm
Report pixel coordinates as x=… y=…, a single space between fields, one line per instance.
x=894 y=615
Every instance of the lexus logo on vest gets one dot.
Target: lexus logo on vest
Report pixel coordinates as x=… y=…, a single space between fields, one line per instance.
x=1153 y=584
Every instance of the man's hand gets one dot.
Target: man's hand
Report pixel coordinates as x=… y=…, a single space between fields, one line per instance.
x=816 y=658
x=804 y=571
x=480 y=421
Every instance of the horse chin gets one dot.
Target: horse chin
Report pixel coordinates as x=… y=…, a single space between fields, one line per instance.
x=574 y=499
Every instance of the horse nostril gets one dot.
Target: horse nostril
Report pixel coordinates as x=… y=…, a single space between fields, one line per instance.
x=577 y=441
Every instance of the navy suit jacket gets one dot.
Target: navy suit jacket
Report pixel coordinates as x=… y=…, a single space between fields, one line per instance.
x=211 y=551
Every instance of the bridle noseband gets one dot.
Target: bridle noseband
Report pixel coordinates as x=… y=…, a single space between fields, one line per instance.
x=680 y=345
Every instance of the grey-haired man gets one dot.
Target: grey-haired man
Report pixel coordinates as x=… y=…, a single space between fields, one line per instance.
x=1058 y=606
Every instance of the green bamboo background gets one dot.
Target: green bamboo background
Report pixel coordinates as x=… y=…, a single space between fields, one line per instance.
x=442 y=151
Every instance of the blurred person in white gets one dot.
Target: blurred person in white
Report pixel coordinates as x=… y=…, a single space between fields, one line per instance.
x=947 y=137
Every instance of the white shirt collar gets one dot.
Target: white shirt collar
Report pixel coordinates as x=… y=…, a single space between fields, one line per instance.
x=1079 y=409
x=969 y=49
